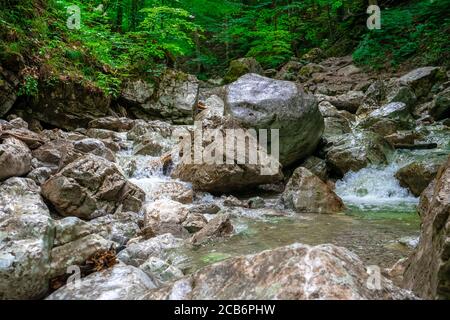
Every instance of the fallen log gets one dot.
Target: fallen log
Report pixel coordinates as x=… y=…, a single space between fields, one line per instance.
x=416 y=146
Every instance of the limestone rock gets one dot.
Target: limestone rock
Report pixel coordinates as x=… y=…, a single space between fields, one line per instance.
x=306 y=193
x=91 y=187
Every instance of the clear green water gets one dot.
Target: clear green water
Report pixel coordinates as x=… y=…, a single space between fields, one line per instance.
x=373 y=236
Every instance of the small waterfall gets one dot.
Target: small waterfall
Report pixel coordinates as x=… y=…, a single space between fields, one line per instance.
x=144 y=171
x=375 y=188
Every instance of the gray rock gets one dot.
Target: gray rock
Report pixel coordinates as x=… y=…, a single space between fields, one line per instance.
x=441 y=105
x=224 y=169
x=26 y=238
x=41 y=174
x=421 y=80
x=427 y=268
x=120 y=282
x=119 y=227
x=136 y=92
x=317 y=166
x=352 y=152
x=70 y=229
x=389 y=119
x=160 y=271
x=15 y=158
x=91 y=187
x=138 y=253
x=220 y=226
x=256 y=203
x=76 y=252
x=262 y=103
x=306 y=193
x=418 y=175
x=165 y=216
x=194 y=222
x=95 y=147
x=112 y=123
x=296 y=272
x=175 y=100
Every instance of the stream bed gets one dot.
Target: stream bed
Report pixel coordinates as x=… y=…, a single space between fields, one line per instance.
x=380 y=224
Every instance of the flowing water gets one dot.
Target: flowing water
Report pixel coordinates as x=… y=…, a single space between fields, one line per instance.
x=380 y=225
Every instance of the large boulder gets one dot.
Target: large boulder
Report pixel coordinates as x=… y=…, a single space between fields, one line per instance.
x=389 y=119
x=421 y=80
x=175 y=99
x=15 y=158
x=240 y=67
x=220 y=160
x=307 y=193
x=91 y=187
x=428 y=268
x=354 y=151
x=120 y=282
x=26 y=239
x=136 y=92
x=262 y=103
x=417 y=175
x=296 y=272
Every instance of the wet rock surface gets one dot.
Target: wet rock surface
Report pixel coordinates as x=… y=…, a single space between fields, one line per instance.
x=293 y=272
x=427 y=269
x=111 y=186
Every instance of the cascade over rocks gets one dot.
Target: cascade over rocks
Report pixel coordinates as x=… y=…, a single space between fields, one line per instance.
x=295 y=272
x=427 y=271
x=262 y=103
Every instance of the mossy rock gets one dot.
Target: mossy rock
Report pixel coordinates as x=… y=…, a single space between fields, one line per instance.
x=240 y=67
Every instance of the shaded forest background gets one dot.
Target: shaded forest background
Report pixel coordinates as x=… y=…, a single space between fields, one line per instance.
x=119 y=39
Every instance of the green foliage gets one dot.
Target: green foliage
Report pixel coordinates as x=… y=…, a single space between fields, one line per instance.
x=109 y=84
x=418 y=31
x=29 y=87
x=122 y=38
